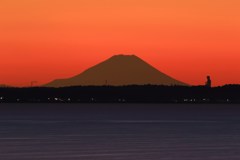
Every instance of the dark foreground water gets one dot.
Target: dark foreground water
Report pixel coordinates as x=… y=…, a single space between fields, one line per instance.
x=119 y=132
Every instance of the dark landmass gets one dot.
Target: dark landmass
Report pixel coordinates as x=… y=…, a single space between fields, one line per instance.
x=122 y=94
x=119 y=70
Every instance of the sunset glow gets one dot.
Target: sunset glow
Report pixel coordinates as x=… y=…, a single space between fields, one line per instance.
x=42 y=40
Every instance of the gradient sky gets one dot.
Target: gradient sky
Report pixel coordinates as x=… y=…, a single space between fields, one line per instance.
x=42 y=40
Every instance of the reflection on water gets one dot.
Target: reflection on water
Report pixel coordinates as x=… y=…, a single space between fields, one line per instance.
x=119 y=132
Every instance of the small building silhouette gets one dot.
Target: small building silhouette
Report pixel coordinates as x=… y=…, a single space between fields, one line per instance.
x=208 y=82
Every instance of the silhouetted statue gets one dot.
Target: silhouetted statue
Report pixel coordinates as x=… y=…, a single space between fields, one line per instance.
x=209 y=82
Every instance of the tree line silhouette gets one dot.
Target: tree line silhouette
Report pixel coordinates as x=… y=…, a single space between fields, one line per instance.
x=122 y=94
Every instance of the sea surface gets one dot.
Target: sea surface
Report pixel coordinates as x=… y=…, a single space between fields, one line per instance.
x=119 y=132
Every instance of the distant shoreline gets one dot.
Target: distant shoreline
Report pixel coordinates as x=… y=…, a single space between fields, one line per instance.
x=228 y=94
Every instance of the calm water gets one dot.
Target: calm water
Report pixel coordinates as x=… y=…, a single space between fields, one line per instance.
x=119 y=132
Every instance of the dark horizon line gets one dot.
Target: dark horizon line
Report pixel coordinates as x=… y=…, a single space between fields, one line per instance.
x=122 y=94
x=140 y=85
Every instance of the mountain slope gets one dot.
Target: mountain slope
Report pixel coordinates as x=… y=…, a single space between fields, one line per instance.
x=118 y=70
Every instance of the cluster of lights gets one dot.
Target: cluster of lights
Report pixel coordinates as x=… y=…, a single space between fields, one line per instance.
x=189 y=100
x=59 y=99
x=121 y=100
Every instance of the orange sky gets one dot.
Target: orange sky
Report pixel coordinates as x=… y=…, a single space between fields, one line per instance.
x=42 y=40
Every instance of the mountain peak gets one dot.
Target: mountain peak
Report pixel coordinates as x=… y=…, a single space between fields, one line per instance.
x=122 y=59
x=124 y=56
x=119 y=70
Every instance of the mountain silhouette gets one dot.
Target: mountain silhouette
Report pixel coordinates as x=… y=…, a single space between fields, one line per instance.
x=118 y=70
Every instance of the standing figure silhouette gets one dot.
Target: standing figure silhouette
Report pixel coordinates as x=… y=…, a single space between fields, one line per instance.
x=209 y=82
